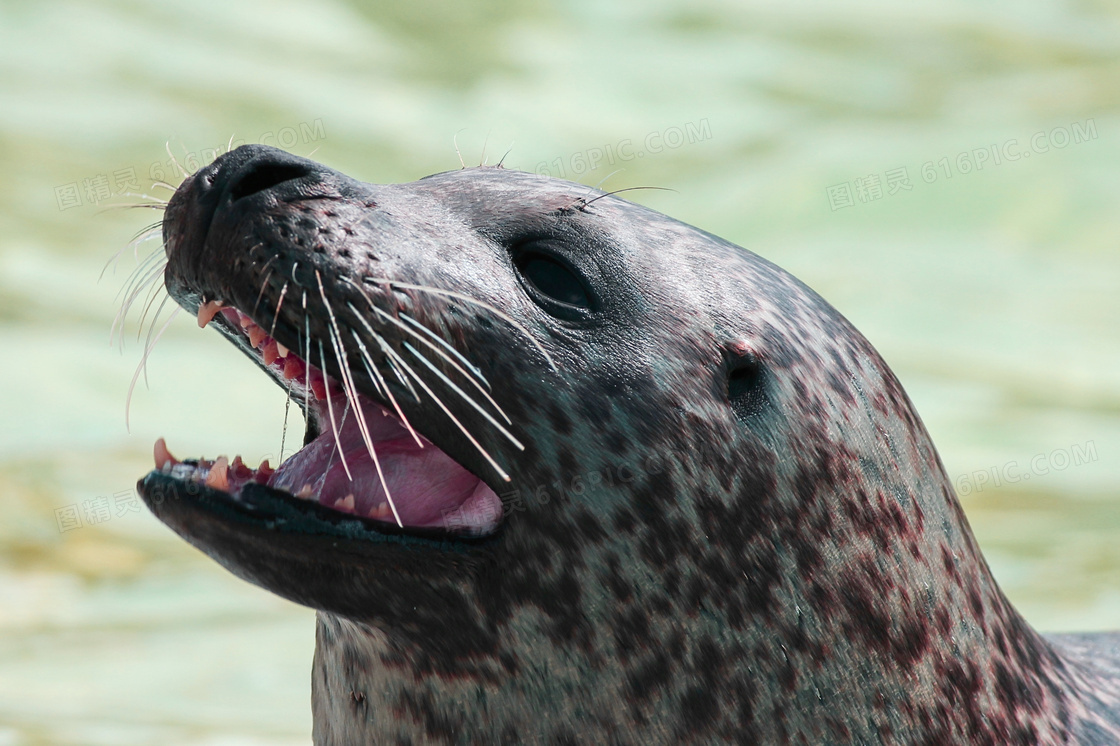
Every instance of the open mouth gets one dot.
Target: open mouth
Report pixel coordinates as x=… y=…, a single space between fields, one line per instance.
x=361 y=458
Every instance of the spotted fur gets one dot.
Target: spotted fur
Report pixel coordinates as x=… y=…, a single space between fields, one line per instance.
x=729 y=524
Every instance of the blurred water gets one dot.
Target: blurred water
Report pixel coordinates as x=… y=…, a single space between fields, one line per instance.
x=990 y=287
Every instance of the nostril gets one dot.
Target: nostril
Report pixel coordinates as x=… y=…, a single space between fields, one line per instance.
x=262 y=175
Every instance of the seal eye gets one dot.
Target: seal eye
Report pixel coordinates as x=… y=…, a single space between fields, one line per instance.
x=552 y=278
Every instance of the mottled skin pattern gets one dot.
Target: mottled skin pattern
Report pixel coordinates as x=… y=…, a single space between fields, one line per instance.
x=730 y=524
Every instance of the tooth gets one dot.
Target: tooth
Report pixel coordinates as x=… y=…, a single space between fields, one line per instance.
x=256 y=335
x=164 y=459
x=245 y=320
x=207 y=311
x=218 y=478
x=271 y=354
x=240 y=469
x=282 y=350
x=318 y=388
x=292 y=367
x=346 y=503
x=381 y=511
x=305 y=492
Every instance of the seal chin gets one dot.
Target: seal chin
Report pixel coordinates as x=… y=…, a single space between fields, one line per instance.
x=362 y=475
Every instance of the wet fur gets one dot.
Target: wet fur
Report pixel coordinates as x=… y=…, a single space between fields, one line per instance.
x=778 y=559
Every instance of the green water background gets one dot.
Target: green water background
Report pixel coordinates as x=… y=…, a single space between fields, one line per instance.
x=993 y=289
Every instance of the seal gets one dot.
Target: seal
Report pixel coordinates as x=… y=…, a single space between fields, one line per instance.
x=576 y=472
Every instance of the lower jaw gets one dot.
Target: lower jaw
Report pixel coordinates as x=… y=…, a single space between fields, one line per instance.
x=403 y=480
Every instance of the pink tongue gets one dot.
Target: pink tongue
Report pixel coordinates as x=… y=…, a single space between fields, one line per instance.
x=427 y=487
x=424 y=483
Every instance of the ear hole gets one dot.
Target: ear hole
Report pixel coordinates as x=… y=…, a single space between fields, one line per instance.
x=746 y=386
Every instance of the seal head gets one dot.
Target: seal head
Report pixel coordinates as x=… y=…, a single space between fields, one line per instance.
x=576 y=472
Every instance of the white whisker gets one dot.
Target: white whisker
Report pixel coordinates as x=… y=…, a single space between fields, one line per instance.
x=375 y=374
x=279 y=305
x=444 y=344
x=467 y=299
x=440 y=352
x=330 y=412
x=284 y=432
x=143 y=360
x=148 y=341
x=135 y=287
x=183 y=171
x=307 y=359
x=352 y=395
x=485 y=454
x=437 y=350
x=447 y=381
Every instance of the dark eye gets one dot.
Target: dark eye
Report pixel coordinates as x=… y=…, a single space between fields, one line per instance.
x=553 y=278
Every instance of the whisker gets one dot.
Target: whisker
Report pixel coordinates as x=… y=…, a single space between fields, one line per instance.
x=142 y=266
x=148 y=341
x=464 y=395
x=612 y=173
x=438 y=351
x=588 y=203
x=392 y=358
x=330 y=411
x=307 y=358
x=279 y=305
x=139 y=286
x=443 y=343
x=264 y=286
x=455 y=140
x=284 y=432
x=383 y=385
x=135 y=287
x=156 y=203
x=167 y=147
x=142 y=235
x=153 y=293
x=352 y=394
x=485 y=143
x=485 y=454
x=467 y=299
x=143 y=360
x=388 y=317
x=330 y=458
